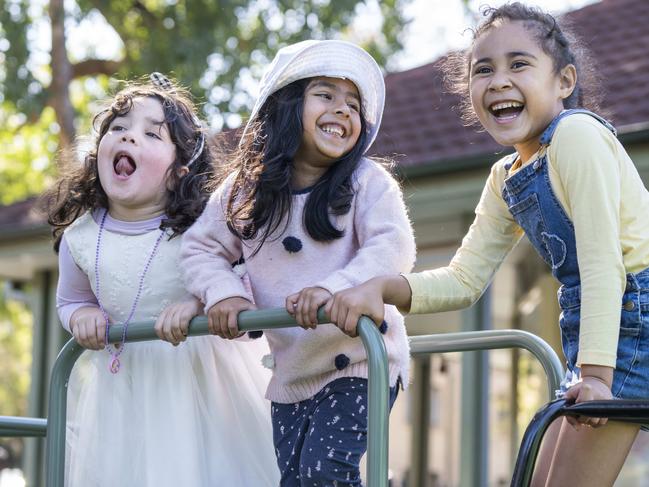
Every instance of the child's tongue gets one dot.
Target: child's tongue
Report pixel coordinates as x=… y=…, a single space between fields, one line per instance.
x=124 y=166
x=509 y=112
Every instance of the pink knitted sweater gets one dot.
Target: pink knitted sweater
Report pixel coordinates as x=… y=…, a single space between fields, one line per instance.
x=378 y=240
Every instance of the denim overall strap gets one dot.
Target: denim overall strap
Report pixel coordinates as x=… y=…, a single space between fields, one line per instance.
x=546 y=137
x=533 y=204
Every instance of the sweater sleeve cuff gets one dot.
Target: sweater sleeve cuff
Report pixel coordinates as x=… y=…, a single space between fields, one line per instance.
x=596 y=358
x=334 y=283
x=419 y=297
x=597 y=346
x=67 y=310
x=217 y=295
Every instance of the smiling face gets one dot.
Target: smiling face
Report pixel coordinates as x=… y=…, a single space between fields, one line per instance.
x=515 y=89
x=132 y=158
x=331 y=124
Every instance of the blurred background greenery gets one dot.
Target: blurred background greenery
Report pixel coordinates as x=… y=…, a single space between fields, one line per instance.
x=49 y=85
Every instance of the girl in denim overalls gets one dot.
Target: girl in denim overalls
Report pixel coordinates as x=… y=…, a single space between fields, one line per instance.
x=573 y=191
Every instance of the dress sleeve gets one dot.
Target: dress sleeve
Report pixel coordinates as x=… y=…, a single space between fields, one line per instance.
x=490 y=238
x=584 y=154
x=73 y=290
x=207 y=252
x=382 y=228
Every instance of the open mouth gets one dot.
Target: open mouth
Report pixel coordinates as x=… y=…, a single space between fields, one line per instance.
x=124 y=165
x=332 y=128
x=506 y=110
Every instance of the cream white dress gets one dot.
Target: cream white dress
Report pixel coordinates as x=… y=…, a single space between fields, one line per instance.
x=192 y=415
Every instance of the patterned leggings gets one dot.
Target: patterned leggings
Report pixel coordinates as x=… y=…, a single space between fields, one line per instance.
x=319 y=442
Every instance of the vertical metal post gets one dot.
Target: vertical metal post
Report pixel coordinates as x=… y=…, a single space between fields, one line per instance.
x=514 y=404
x=475 y=404
x=377 y=402
x=420 y=396
x=37 y=404
x=55 y=451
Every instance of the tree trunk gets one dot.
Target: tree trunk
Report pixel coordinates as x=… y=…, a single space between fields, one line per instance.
x=61 y=78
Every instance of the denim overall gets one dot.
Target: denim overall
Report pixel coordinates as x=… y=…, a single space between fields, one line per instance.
x=533 y=204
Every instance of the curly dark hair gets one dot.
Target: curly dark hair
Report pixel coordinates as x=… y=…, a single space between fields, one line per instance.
x=79 y=189
x=554 y=37
x=261 y=197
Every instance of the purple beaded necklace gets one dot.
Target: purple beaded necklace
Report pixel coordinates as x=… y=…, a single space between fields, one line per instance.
x=116 y=351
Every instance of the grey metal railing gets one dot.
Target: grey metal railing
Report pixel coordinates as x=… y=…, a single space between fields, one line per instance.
x=378 y=388
x=490 y=340
x=22 y=427
x=629 y=411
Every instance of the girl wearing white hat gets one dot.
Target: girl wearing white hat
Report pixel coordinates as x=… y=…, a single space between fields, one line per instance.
x=310 y=215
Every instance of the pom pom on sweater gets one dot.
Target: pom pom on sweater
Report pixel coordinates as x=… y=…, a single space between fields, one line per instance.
x=341 y=361
x=384 y=327
x=292 y=244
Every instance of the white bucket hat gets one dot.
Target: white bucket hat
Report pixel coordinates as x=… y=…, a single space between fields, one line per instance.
x=331 y=58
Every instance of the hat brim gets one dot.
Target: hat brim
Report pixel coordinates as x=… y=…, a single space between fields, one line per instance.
x=335 y=59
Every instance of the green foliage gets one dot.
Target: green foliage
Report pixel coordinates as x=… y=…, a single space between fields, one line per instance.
x=16 y=359
x=15 y=356
x=217 y=48
x=213 y=46
x=30 y=146
x=18 y=83
x=27 y=149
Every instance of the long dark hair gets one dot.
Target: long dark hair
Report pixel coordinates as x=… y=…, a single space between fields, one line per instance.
x=554 y=37
x=260 y=201
x=79 y=189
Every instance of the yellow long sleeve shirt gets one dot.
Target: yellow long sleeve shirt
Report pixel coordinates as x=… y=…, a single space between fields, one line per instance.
x=600 y=190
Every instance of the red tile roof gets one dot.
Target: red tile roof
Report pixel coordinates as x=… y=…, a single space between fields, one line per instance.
x=419 y=120
x=23 y=214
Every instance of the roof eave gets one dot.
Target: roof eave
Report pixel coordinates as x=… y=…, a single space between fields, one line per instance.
x=636 y=133
x=12 y=234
